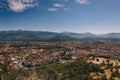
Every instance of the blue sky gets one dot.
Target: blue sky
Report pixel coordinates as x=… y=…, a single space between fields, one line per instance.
x=95 y=16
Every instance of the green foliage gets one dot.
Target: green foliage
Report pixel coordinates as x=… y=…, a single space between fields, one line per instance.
x=3 y=68
x=78 y=70
x=11 y=74
x=104 y=78
x=115 y=74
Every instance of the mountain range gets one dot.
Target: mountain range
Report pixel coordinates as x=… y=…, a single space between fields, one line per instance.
x=25 y=35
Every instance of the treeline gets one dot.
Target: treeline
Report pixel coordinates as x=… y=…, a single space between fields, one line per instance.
x=78 y=70
x=12 y=74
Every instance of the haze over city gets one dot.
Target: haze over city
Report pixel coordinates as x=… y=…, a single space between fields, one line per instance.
x=95 y=16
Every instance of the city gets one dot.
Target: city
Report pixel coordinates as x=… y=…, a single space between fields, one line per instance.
x=59 y=39
x=35 y=55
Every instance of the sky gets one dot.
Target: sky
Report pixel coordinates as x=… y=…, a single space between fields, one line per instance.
x=95 y=16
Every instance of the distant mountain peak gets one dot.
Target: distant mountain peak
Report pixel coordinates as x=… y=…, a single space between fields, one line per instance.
x=26 y=35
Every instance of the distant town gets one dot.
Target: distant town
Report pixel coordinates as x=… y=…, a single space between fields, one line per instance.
x=59 y=39
x=33 y=55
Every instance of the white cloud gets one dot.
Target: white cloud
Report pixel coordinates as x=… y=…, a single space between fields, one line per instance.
x=66 y=9
x=82 y=1
x=52 y=9
x=58 y=5
x=21 y=5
